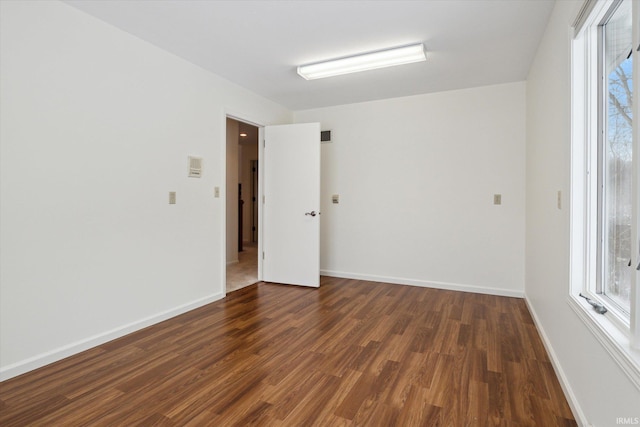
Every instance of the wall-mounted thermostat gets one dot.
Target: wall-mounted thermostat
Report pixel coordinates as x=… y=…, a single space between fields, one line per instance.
x=195 y=167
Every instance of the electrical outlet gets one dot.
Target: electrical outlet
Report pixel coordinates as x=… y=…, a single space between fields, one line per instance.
x=559 y=199
x=497 y=199
x=335 y=199
x=216 y=192
x=172 y=197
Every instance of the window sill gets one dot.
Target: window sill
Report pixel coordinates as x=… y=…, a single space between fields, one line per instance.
x=615 y=342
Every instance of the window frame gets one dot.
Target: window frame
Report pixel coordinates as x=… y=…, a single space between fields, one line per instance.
x=618 y=332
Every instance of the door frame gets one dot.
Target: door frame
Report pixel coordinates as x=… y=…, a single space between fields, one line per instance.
x=234 y=115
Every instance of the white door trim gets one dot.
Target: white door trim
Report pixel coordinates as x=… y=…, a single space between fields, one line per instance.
x=231 y=114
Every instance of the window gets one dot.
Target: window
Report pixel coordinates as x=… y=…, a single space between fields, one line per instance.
x=605 y=172
x=615 y=157
x=603 y=139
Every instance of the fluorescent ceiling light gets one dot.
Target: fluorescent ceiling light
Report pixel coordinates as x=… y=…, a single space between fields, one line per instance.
x=363 y=62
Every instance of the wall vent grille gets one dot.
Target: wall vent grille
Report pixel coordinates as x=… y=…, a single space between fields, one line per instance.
x=325 y=136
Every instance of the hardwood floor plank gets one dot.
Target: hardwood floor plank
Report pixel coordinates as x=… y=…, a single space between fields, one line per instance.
x=422 y=340
x=423 y=413
x=26 y=384
x=498 y=409
x=557 y=403
x=357 y=394
x=257 y=415
x=293 y=367
x=442 y=381
x=478 y=403
x=155 y=420
x=96 y=404
x=293 y=387
x=349 y=353
x=31 y=415
x=202 y=419
x=311 y=405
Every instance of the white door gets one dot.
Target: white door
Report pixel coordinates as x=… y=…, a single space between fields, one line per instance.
x=291 y=209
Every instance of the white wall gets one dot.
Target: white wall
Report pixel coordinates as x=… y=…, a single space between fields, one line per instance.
x=416 y=178
x=599 y=390
x=96 y=129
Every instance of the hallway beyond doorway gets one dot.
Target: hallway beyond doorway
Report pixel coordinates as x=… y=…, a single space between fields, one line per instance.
x=245 y=272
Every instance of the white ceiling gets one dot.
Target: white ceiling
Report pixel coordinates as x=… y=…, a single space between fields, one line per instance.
x=259 y=44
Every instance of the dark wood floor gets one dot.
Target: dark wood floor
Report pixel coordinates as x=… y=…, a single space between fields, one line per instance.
x=349 y=353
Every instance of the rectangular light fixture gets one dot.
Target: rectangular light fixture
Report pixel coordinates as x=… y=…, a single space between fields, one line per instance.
x=363 y=62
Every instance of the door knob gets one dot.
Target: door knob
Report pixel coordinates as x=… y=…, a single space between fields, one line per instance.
x=312 y=213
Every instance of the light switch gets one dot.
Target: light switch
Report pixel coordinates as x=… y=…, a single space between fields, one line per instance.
x=172 y=197
x=559 y=199
x=497 y=199
x=335 y=199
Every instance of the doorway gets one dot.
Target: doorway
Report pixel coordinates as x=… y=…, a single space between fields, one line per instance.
x=242 y=204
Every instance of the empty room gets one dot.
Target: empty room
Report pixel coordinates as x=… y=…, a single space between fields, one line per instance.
x=319 y=213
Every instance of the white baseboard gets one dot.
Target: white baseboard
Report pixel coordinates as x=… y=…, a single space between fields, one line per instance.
x=564 y=383
x=425 y=283
x=60 y=353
